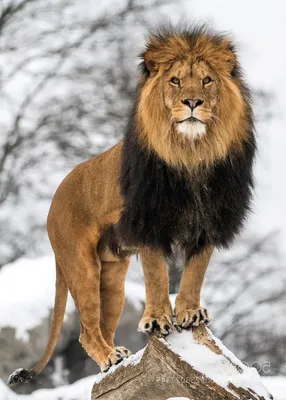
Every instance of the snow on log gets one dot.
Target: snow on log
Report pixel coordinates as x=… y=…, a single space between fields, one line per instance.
x=189 y=364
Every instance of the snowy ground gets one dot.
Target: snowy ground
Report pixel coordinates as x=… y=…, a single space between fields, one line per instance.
x=38 y=291
x=81 y=390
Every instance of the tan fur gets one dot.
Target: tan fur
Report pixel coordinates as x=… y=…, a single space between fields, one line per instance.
x=158 y=307
x=188 y=299
x=158 y=111
x=89 y=198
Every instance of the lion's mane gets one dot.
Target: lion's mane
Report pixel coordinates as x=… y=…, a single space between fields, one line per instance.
x=177 y=190
x=234 y=115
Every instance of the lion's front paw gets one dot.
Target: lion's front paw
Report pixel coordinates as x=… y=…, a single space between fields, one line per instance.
x=150 y=323
x=115 y=357
x=190 y=318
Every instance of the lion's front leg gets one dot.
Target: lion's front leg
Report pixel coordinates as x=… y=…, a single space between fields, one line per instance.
x=188 y=308
x=158 y=310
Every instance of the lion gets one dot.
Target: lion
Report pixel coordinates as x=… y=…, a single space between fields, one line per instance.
x=180 y=178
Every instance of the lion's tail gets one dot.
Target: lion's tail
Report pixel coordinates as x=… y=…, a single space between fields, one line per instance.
x=23 y=375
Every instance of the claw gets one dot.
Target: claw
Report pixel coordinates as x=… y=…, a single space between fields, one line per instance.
x=163 y=324
x=192 y=318
x=115 y=357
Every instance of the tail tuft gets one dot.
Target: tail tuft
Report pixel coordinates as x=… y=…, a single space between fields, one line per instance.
x=21 y=375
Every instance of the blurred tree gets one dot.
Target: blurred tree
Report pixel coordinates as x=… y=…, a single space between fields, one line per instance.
x=248 y=302
x=67 y=80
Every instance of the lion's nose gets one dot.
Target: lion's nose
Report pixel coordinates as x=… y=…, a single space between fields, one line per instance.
x=192 y=103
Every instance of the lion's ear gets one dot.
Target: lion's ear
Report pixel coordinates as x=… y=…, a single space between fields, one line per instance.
x=229 y=56
x=150 y=64
x=231 y=62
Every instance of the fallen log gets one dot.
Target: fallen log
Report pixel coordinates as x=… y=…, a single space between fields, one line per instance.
x=189 y=364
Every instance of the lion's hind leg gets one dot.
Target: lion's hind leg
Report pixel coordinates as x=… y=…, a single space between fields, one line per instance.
x=113 y=274
x=83 y=278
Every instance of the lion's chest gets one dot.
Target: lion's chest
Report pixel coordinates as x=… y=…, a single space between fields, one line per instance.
x=163 y=207
x=170 y=209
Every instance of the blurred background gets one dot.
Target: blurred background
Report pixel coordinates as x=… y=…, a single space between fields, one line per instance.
x=68 y=70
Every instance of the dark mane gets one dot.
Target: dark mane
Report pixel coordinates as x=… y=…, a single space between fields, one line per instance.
x=163 y=206
x=206 y=205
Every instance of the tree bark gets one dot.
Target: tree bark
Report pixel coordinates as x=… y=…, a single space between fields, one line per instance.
x=161 y=373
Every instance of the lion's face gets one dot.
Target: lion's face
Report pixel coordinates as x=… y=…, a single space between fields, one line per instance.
x=193 y=106
x=191 y=95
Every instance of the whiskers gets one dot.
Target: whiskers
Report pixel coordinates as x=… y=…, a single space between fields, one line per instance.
x=215 y=117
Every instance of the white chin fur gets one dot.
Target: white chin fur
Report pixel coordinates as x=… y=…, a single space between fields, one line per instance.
x=194 y=130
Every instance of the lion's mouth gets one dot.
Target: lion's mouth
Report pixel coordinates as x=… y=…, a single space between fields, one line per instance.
x=191 y=120
x=192 y=127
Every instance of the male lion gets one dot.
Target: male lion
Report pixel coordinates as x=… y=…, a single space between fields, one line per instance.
x=181 y=176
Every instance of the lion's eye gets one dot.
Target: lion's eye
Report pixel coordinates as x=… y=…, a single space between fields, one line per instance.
x=175 y=81
x=207 y=80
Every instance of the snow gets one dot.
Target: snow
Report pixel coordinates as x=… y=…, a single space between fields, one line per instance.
x=38 y=294
x=81 y=390
x=132 y=360
x=32 y=282
x=178 y=398
x=134 y=287
x=27 y=289
x=276 y=385
x=217 y=367
x=221 y=369
x=135 y=292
